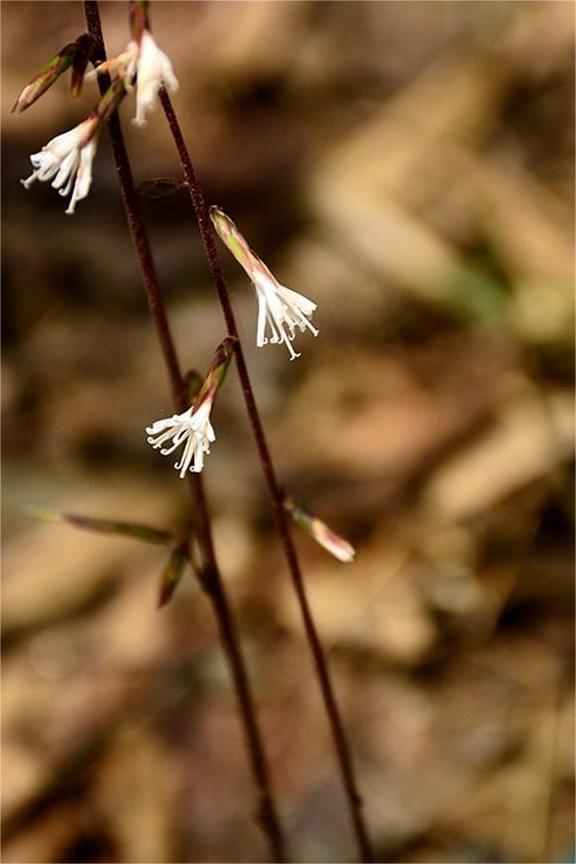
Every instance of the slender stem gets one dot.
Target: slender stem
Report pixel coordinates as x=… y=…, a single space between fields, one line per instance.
x=332 y=710
x=211 y=578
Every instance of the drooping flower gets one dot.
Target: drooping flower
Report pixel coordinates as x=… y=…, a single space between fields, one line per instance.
x=142 y=63
x=153 y=71
x=68 y=159
x=192 y=429
x=280 y=310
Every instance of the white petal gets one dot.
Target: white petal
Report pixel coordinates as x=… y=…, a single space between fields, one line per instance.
x=261 y=326
x=294 y=299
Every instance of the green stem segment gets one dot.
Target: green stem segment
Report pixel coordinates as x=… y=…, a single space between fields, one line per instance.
x=339 y=735
x=210 y=574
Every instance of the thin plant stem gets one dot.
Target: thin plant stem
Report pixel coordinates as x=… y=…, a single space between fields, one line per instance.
x=339 y=735
x=210 y=574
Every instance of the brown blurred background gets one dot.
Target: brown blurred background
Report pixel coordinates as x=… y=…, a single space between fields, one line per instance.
x=409 y=167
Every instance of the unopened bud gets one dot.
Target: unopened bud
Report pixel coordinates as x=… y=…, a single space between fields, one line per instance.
x=44 y=79
x=320 y=532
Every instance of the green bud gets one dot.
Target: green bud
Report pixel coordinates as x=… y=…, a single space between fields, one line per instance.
x=44 y=79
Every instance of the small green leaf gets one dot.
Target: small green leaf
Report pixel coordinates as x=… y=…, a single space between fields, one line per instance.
x=159 y=187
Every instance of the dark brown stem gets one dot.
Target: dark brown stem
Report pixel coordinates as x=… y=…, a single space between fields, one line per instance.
x=336 y=724
x=210 y=574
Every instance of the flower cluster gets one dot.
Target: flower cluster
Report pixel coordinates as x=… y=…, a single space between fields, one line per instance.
x=67 y=159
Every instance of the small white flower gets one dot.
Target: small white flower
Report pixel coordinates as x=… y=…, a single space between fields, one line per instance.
x=67 y=158
x=148 y=66
x=281 y=309
x=154 y=70
x=193 y=429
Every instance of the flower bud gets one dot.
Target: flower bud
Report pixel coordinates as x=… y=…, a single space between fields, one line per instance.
x=320 y=532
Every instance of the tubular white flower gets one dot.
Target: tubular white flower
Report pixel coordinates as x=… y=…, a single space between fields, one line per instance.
x=281 y=309
x=193 y=429
x=146 y=65
x=68 y=158
x=154 y=70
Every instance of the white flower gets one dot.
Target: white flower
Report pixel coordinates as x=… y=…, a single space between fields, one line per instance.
x=154 y=70
x=68 y=156
x=148 y=66
x=282 y=309
x=193 y=429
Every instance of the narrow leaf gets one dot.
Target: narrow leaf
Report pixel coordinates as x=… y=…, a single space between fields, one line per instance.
x=136 y=530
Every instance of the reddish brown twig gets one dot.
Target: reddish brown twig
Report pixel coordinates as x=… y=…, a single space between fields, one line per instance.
x=321 y=666
x=211 y=578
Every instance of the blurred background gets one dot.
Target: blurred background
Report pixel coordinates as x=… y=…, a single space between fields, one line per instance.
x=409 y=167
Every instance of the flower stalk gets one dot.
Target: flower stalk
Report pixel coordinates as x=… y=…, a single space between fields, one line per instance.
x=341 y=745
x=210 y=577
